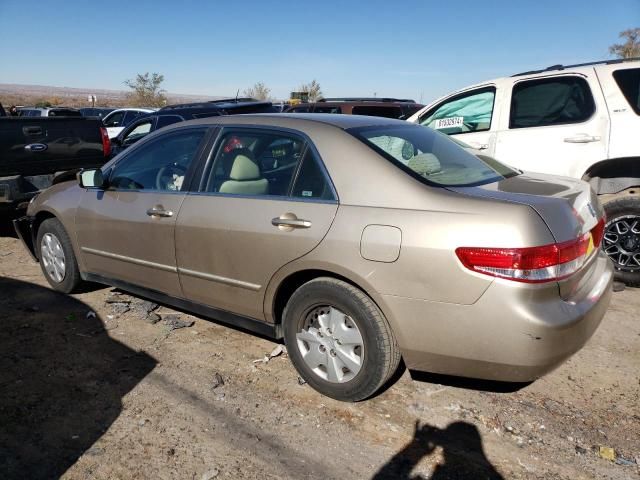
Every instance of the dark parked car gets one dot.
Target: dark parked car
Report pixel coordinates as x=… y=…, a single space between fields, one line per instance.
x=49 y=112
x=34 y=149
x=401 y=108
x=151 y=122
x=96 y=112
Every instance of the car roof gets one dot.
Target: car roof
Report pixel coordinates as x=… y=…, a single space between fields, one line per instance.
x=287 y=119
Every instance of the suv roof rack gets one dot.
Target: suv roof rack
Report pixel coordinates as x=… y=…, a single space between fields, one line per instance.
x=563 y=67
x=211 y=102
x=367 y=99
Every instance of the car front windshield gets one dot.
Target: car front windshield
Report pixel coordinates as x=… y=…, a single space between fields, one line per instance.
x=431 y=156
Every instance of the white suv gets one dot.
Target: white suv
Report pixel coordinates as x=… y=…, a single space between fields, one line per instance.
x=579 y=121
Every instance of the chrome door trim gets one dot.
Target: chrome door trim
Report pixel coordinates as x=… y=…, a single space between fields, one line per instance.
x=135 y=261
x=218 y=279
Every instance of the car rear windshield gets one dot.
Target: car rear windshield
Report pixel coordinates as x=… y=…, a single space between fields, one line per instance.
x=431 y=156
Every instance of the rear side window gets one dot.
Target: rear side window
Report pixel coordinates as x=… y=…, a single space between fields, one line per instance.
x=311 y=181
x=629 y=83
x=164 y=120
x=375 y=111
x=550 y=101
x=465 y=113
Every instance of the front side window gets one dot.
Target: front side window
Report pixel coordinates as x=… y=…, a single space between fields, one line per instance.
x=550 y=101
x=430 y=156
x=130 y=116
x=465 y=113
x=159 y=165
x=114 y=120
x=629 y=83
x=261 y=162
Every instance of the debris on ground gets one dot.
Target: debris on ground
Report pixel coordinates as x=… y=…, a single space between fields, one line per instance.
x=213 y=473
x=144 y=307
x=173 y=322
x=276 y=352
x=625 y=461
x=218 y=381
x=152 y=318
x=117 y=297
x=90 y=314
x=607 y=453
x=120 y=308
x=301 y=381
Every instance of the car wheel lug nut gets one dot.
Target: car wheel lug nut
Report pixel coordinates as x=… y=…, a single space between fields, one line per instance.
x=332 y=353
x=322 y=348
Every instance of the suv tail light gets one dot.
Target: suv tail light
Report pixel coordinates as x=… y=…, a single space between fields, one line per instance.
x=547 y=263
x=106 y=143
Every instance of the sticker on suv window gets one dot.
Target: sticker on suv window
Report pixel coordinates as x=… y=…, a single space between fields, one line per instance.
x=449 y=122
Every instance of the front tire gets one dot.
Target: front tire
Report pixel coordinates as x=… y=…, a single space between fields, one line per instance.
x=57 y=260
x=338 y=340
x=621 y=240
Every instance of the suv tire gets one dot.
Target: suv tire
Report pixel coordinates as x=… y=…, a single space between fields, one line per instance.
x=622 y=238
x=57 y=260
x=338 y=340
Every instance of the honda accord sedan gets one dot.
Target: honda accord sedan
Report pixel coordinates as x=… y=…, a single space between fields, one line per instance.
x=360 y=241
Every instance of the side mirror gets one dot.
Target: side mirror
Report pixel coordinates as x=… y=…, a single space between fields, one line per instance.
x=91 y=178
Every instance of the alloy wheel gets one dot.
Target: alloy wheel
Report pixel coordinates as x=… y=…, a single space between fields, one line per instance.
x=621 y=242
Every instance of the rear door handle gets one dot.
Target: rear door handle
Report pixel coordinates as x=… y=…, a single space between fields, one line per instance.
x=159 y=212
x=32 y=130
x=582 y=138
x=290 y=223
x=478 y=146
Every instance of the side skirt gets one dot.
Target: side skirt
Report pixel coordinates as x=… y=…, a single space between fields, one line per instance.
x=251 y=324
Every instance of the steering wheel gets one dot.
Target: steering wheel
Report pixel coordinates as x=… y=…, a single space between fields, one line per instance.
x=167 y=177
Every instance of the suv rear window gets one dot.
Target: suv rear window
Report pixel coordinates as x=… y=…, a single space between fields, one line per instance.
x=550 y=101
x=629 y=83
x=431 y=156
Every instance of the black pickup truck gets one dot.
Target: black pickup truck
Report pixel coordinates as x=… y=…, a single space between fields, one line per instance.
x=34 y=151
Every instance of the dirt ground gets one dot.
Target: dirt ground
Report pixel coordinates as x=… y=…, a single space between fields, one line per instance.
x=112 y=395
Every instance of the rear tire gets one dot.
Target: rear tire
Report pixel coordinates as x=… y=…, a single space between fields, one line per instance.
x=57 y=260
x=621 y=240
x=338 y=340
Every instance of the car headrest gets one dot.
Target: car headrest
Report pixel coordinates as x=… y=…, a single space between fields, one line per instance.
x=424 y=164
x=244 y=168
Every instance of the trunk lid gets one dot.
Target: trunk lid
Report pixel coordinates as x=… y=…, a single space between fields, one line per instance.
x=569 y=207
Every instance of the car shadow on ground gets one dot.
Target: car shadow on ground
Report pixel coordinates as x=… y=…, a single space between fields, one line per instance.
x=478 y=384
x=62 y=380
x=462 y=453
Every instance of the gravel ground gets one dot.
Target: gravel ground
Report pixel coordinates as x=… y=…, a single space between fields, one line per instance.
x=103 y=385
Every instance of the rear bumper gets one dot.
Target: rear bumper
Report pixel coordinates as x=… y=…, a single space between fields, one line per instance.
x=24 y=229
x=514 y=332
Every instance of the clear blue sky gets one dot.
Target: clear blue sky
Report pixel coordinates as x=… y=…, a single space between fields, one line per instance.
x=413 y=48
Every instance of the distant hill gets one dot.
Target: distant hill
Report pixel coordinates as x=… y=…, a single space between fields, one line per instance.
x=15 y=94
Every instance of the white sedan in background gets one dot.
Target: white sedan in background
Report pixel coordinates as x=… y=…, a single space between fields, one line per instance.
x=118 y=119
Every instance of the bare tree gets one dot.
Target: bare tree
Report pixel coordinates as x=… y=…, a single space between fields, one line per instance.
x=630 y=48
x=146 y=90
x=259 y=91
x=313 y=89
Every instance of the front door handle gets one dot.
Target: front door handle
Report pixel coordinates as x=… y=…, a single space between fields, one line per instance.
x=582 y=138
x=289 y=221
x=159 y=211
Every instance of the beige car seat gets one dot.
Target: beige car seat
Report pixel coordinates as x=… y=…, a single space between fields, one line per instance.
x=245 y=177
x=424 y=164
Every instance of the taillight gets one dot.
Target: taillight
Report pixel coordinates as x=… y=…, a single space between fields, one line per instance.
x=534 y=264
x=106 y=143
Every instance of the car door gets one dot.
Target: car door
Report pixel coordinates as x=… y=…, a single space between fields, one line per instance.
x=126 y=232
x=556 y=124
x=468 y=116
x=265 y=200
